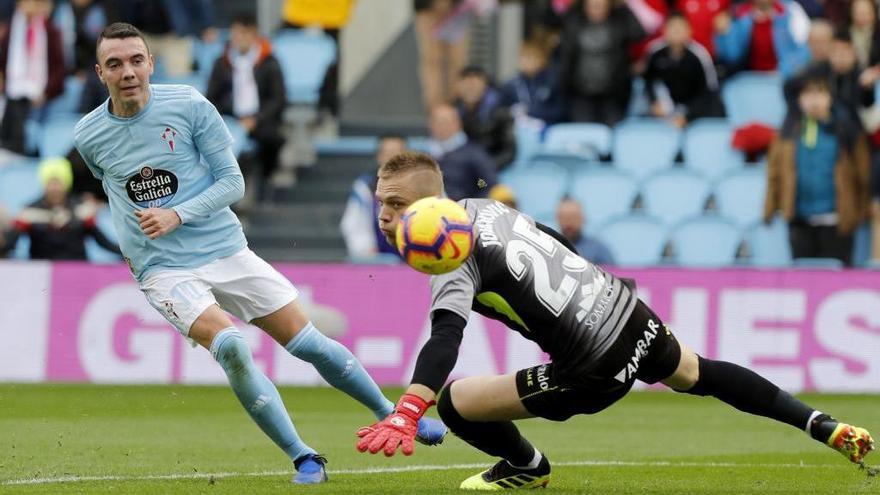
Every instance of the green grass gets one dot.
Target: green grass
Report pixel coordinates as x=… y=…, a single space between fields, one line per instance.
x=173 y=439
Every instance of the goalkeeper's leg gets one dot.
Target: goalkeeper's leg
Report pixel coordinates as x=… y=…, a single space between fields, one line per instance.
x=479 y=411
x=749 y=392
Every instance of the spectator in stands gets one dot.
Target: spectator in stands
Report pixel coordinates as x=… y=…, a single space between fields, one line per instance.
x=570 y=218
x=359 y=227
x=864 y=33
x=485 y=118
x=168 y=27
x=817 y=175
x=595 y=69
x=247 y=83
x=534 y=91
x=680 y=77
x=57 y=224
x=31 y=69
x=760 y=37
x=443 y=47
x=5 y=224
x=468 y=171
x=852 y=91
x=89 y=18
x=330 y=16
x=700 y=15
x=85 y=185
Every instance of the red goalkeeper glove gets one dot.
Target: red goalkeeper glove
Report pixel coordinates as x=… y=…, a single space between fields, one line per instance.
x=397 y=429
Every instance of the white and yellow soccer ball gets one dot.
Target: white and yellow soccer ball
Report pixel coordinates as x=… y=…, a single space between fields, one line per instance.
x=435 y=235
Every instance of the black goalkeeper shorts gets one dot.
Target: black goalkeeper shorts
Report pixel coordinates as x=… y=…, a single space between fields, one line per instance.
x=645 y=350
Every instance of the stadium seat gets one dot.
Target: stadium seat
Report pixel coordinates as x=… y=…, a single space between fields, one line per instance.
x=768 y=245
x=528 y=142
x=576 y=143
x=740 y=196
x=754 y=97
x=57 y=136
x=538 y=189
x=643 y=146
x=305 y=57
x=241 y=143
x=19 y=185
x=347 y=145
x=205 y=54
x=675 y=194
x=634 y=240
x=707 y=148
x=603 y=192
x=68 y=101
x=706 y=241
x=862 y=245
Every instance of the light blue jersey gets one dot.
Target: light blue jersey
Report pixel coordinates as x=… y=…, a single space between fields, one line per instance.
x=157 y=158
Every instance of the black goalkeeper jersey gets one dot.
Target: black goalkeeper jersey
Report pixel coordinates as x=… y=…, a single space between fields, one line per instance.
x=530 y=281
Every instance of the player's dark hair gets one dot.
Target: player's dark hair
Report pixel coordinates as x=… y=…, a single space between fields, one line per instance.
x=409 y=161
x=118 y=31
x=245 y=19
x=815 y=81
x=843 y=35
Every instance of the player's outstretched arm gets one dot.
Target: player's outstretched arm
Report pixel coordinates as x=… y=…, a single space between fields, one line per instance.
x=435 y=363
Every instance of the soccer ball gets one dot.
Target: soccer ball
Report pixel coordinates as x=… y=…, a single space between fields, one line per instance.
x=435 y=235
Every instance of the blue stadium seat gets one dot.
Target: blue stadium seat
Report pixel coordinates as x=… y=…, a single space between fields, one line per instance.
x=706 y=241
x=740 y=196
x=577 y=141
x=205 y=54
x=57 y=136
x=707 y=148
x=754 y=97
x=675 y=194
x=768 y=244
x=305 y=57
x=19 y=185
x=347 y=145
x=643 y=146
x=241 y=143
x=68 y=101
x=528 y=143
x=603 y=192
x=634 y=240
x=861 y=254
x=538 y=189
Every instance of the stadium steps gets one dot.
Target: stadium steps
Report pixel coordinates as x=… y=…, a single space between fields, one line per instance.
x=301 y=224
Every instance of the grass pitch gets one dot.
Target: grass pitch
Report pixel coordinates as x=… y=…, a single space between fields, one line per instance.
x=101 y=439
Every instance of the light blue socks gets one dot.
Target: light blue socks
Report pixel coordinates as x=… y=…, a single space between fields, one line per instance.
x=338 y=366
x=256 y=392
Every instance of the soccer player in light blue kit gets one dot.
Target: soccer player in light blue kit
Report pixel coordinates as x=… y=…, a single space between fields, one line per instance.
x=163 y=155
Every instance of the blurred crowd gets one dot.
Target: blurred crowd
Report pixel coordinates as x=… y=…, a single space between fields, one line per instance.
x=597 y=61
x=601 y=61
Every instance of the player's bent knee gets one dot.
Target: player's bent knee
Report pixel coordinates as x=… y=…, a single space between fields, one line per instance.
x=232 y=352
x=687 y=374
x=446 y=409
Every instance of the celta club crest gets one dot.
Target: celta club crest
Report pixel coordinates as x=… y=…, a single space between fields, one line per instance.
x=168 y=136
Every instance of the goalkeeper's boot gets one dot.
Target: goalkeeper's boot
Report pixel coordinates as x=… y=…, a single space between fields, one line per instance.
x=503 y=476
x=431 y=431
x=851 y=441
x=310 y=469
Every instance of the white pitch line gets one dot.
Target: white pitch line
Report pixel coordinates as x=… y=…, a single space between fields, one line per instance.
x=400 y=469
